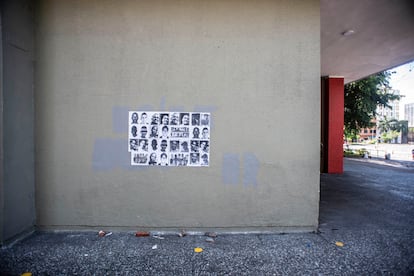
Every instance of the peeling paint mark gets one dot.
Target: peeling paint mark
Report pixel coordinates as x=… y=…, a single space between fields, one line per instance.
x=231 y=168
x=251 y=167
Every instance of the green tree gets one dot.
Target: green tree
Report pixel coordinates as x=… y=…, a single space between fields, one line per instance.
x=386 y=124
x=390 y=135
x=362 y=98
x=391 y=129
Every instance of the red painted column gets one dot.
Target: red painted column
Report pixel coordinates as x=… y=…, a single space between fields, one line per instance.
x=334 y=124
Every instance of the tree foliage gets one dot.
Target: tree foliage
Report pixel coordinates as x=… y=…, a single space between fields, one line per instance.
x=392 y=128
x=390 y=135
x=362 y=98
x=386 y=125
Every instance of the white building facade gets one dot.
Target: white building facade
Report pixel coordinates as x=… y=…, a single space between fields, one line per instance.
x=409 y=114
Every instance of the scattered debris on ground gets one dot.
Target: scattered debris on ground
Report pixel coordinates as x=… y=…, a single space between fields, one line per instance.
x=198 y=250
x=211 y=234
x=102 y=233
x=142 y=234
x=182 y=233
x=340 y=244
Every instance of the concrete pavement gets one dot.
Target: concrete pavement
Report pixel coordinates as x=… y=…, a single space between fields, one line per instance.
x=399 y=152
x=369 y=209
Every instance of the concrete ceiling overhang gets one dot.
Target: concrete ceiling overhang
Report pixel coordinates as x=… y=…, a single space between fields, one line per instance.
x=382 y=38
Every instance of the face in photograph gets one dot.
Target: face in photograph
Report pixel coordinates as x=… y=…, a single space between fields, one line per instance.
x=154 y=132
x=134 y=131
x=164 y=145
x=205 y=133
x=143 y=144
x=134 y=118
x=164 y=118
x=163 y=159
x=184 y=146
x=185 y=119
x=204 y=146
x=194 y=158
x=164 y=132
x=195 y=145
x=133 y=144
x=154 y=144
x=155 y=119
x=174 y=118
x=205 y=119
x=204 y=159
x=195 y=119
x=174 y=145
x=153 y=159
x=144 y=117
x=196 y=133
x=143 y=132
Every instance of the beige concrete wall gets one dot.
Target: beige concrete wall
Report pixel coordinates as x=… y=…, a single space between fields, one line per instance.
x=253 y=64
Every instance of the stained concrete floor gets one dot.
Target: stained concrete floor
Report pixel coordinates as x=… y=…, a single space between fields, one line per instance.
x=370 y=209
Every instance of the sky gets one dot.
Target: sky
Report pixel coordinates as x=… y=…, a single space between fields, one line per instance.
x=403 y=80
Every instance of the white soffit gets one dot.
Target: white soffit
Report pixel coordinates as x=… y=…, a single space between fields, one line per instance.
x=363 y=37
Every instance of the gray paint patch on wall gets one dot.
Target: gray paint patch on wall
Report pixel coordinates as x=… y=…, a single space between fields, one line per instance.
x=108 y=154
x=177 y=108
x=231 y=168
x=119 y=124
x=162 y=104
x=251 y=167
x=146 y=107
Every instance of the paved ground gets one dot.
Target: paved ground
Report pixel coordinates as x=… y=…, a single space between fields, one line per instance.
x=401 y=152
x=369 y=209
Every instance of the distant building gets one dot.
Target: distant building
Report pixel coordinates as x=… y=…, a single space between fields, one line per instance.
x=392 y=112
x=368 y=133
x=409 y=114
x=389 y=113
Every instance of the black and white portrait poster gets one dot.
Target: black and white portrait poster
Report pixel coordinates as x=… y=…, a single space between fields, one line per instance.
x=169 y=138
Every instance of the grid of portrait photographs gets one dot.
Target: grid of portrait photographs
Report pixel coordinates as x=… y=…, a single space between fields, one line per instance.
x=157 y=138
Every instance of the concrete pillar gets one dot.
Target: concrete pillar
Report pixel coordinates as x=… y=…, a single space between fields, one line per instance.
x=332 y=124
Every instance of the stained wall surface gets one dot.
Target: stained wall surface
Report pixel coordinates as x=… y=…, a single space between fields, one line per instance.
x=254 y=65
